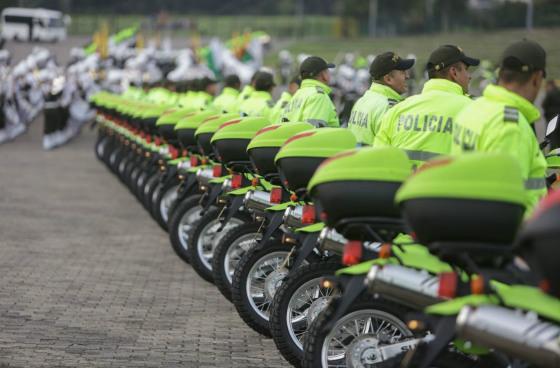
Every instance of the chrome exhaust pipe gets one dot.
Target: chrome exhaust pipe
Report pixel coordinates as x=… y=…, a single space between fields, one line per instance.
x=331 y=241
x=414 y=288
x=514 y=333
x=257 y=201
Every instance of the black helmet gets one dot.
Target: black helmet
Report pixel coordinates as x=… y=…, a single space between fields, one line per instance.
x=539 y=244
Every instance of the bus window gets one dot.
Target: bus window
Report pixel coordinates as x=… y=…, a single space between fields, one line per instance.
x=56 y=23
x=16 y=19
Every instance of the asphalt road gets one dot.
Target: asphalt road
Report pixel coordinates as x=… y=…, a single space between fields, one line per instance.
x=89 y=279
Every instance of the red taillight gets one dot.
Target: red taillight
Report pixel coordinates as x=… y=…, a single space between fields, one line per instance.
x=236 y=181
x=173 y=152
x=352 y=253
x=298 y=136
x=157 y=141
x=149 y=139
x=447 y=285
x=276 y=195
x=217 y=171
x=194 y=161
x=308 y=214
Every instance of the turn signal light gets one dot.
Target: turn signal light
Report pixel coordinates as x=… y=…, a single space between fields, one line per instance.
x=194 y=161
x=217 y=171
x=236 y=181
x=293 y=197
x=447 y=285
x=255 y=182
x=352 y=253
x=385 y=251
x=308 y=214
x=477 y=285
x=544 y=285
x=327 y=284
x=276 y=195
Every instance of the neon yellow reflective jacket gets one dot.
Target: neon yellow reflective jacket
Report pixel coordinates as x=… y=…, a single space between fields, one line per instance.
x=421 y=125
x=259 y=103
x=278 y=109
x=245 y=93
x=368 y=111
x=312 y=104
x=227 y=101
x=200 y=100
x=499 y=121
x=186 y=98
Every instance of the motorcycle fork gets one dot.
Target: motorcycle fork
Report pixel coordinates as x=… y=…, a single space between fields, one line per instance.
x=352 y=289
x=302 y=252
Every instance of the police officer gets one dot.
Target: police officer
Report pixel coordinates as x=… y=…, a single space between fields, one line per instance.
x=209 y=88
x=389 y=74
x=500 y=120
x=260 y=102
x=284 y=100
x=248 y=89
x=227 y=100
x=422 y=124
x=312 y=103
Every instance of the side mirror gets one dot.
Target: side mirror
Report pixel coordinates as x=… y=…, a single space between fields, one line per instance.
x=551 y=127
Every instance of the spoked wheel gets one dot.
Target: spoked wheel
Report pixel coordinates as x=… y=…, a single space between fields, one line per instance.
x=356 y=338
x=185 y=216
x=164 y=201
x=100 y=146
x=255 y=281
x=203 y=239
x=151 y=184
x=228 y=253
x=296 y=304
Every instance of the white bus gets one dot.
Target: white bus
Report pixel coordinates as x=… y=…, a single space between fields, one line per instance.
x=24 y=24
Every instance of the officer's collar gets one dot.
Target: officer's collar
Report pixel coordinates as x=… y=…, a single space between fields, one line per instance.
x=264 y=94
x=247 y=89
x=385 y=91
x=438 y=84
x=498 y=93
x=315 y=83
x=285 y=95
x=230 y=91
x=205 y=94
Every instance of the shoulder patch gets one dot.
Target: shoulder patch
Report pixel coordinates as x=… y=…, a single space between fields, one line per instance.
x=511 y=114
x=392 y=102
x=320 y=90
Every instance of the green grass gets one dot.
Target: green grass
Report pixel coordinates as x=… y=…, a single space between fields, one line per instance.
x=483 y=45
x=321 y=40
x=221 y=26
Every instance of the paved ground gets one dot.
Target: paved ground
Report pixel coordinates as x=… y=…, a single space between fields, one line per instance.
x=89 y=279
